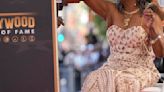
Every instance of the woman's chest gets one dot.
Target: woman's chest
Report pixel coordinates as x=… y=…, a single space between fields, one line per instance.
x=132 y=36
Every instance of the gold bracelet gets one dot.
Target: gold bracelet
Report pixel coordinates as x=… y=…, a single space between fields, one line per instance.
x=156 y=39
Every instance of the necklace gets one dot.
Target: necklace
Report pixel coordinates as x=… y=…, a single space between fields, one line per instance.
x=127 y=17
x=132 y=12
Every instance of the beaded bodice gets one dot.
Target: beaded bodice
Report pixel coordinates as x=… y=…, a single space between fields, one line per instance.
x=128 y=47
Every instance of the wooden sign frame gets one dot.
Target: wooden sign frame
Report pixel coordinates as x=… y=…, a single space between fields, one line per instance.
x=55 y=47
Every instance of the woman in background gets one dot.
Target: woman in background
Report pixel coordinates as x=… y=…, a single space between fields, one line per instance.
x=135 y=35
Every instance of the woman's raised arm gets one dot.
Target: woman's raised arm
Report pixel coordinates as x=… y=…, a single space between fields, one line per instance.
x=101 y=7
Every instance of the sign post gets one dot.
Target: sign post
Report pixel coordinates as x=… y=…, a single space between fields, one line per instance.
x=54 y=32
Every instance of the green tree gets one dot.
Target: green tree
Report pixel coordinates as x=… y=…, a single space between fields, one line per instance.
x=101 y=25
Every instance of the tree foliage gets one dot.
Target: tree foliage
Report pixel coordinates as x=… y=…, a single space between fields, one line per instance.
x=101 y=25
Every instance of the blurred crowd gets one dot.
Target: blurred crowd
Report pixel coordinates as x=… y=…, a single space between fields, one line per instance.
x=82 y=59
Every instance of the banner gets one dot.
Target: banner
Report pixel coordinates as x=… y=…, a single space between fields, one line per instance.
x=28 y=61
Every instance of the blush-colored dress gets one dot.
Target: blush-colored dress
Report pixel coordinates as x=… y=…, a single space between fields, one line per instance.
x=129 y=68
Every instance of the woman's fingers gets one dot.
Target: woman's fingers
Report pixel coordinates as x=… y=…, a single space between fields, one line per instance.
x=157 y=24
x=147 y=12
x=148 y=17
x=152 y=20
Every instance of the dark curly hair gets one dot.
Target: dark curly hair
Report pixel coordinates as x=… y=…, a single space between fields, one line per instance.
x=140 y=3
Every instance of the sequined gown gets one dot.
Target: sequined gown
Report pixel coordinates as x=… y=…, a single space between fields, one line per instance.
x=129 y=68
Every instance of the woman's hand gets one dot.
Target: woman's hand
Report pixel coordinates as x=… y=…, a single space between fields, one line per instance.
x=157 y=9
x=153 y=22
x=154 y=25
x=157 y=24
x=148 y=20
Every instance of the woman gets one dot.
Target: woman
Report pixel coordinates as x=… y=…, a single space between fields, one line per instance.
x=135 y=35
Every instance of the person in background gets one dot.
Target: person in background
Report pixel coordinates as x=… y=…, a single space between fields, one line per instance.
x=136 y=37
